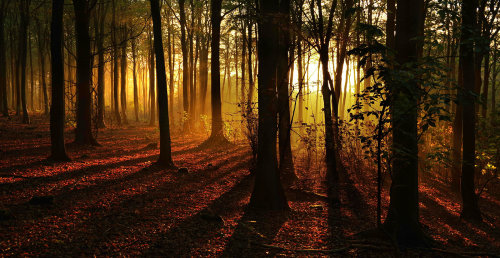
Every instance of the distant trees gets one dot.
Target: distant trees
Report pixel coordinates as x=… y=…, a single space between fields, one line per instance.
x=57 y=109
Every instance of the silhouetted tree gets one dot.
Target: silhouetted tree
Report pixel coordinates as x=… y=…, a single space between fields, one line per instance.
x=470 y=208
x=3 y=66
x=24 y=5
x=57 y=109
x=165 y=158
x=217 y=134
x=83 y=132
x=402 y=220
x=268 y=192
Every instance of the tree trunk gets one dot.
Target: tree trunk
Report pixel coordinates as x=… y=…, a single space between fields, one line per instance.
x=4 y=107
x=300 y=74
x=204 y=75
x=456 y=169
x=170 y=68
x=268 y=192
x=243 y=63
x=185 y=64
x=23 y=38
x=42 y=70
x=115 y=66
x=493 y=83
x=250 y=65
x=99 y=30
x=285 y=149
x=83 y=74
x=470 y=208
x=134 y=76
x=123 y=77
x=191 y=67
x=217 y=134
x=32 y=87
x=58 y=151
x=152 y=103
x=486 y=77
x=402 y=220
x=165 y=158
x=329 y=133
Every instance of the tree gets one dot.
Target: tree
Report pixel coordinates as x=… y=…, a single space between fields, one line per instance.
x=165 y=158
x=322 y=34
x=41 y=52
x=115 y=64
x=402 y=220
x=134 y=75
x=283 y=68
x=57 y=109
x=123 y=74
x=185 y=64
x=152 y=106
x=470 y=208
x=23 y=37
x=83 y=132
x=268 y=192
x=217 y=134
x=99 y=35
x=3 y=66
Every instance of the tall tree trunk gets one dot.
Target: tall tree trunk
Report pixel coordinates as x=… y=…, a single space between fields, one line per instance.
x=185 y=64
x=285 y=149
x=15 y=68
x=191 y=66
x=23 y=38
x=268 y=192
x=402 y=219
x=493 y=83
x=41 y=54
x=470 y=208
x=204 y=75
x=217 y=134
x=456 y=168
x=300 y=79
x=99 y=30
x=58 y=151
x=4 y=107
x=83 y=74
x=152 y=102
x=123 y=76
x=250 y=65
x=32 y=87
x=243 y=62
x=486 y=77
x=327 y=110
x=165 y=158
x=115 y=65
x=170 y=67
x=134 y=76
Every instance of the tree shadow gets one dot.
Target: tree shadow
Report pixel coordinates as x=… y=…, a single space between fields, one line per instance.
x=127 y=215
x=203 y=229
x=254 y=229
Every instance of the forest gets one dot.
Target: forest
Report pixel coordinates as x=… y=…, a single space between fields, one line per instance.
x=249 y=128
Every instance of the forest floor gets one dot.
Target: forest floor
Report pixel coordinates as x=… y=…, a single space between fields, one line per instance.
x=113 y=200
